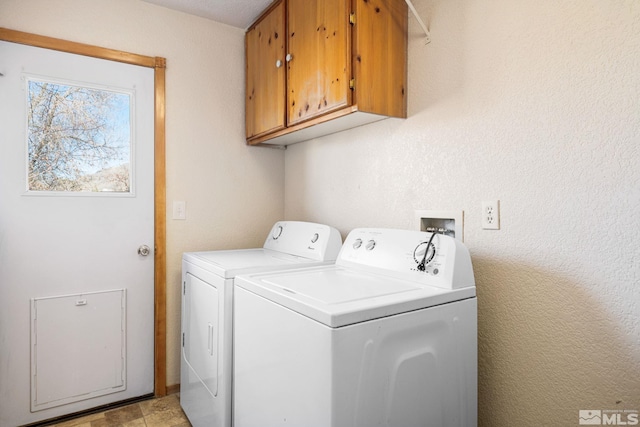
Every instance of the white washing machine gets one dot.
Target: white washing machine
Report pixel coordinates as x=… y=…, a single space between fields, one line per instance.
x=387 y=336
x=207 y=302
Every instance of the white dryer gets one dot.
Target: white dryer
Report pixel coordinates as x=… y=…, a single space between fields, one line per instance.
x=207 y=302
x=387 y=336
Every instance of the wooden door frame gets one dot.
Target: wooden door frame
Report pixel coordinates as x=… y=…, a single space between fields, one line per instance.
x=160 y=202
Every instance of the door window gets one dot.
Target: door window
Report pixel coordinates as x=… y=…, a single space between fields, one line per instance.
x=78 y=138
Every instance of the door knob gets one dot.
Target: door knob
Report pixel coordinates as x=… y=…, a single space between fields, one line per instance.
x=144 y=250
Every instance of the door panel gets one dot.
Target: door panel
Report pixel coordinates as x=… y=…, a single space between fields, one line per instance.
x=93 y=329
x=61 y=243
x=202 y=330
x=319 y=71
x=265 y=93
x=381 y=57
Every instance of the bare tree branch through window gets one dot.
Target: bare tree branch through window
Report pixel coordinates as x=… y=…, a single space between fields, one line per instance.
x=79 y=138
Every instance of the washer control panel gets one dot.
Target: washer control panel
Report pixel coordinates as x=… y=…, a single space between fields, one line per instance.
x=436 y=260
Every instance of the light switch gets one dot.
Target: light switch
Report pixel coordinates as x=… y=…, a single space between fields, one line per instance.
x=179 y=209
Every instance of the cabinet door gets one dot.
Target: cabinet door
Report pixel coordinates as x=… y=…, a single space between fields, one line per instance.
x=265 y=92
x=319 y=70
x=380 y=52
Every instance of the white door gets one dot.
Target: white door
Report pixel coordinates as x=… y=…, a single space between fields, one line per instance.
x=76 y=204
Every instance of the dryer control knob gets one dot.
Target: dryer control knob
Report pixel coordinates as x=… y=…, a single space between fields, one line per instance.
x=277 y=232
x=315 y=237
x=370 y=245
x=357 y=243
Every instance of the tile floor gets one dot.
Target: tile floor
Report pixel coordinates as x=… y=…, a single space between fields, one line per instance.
x=161 y=412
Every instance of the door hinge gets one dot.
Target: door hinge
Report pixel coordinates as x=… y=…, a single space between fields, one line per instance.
x=183 y=339
x=352 y=84
x=352 y=18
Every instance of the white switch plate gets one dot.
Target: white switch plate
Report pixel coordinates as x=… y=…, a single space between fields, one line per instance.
x=179 y=209
x=491 y=215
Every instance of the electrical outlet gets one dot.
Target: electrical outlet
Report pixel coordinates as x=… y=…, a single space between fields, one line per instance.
x=491 y=215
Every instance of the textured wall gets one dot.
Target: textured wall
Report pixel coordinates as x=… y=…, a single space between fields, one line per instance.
x=535 y=103
x=531 y=102
x=234 y=193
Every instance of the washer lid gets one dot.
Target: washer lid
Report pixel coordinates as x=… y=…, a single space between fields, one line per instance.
x=339 y=296
x=228 y=264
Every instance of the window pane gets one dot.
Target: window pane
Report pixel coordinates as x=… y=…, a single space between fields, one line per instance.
x=79 y=138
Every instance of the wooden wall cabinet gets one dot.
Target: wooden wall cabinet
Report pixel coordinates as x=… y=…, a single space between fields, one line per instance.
x=314 y=67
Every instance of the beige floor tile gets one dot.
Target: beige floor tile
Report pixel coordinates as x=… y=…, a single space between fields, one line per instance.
x=164 y=412
x=161 y=412
x=168 y=418
x=104 y=423
x=82 y=421
x=135 y=423
x=165 y=403
x=124 y=414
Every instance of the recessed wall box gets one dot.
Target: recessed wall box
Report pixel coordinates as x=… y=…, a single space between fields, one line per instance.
x=449 y=222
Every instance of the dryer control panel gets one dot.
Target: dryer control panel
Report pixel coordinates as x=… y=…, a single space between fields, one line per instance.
x=434 y=260
x=304 y=239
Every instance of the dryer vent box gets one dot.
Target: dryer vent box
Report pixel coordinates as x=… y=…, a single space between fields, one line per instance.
x=451 y=221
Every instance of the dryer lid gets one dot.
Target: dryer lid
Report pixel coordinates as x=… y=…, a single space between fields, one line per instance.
x=339 y=296
x=289 y=244
x=228 y=264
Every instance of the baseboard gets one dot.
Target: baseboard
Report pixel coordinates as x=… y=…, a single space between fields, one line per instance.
x=173 y=389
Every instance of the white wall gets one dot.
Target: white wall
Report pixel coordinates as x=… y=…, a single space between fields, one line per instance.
x=234 y=193
x=531 y=102
x=535 y=103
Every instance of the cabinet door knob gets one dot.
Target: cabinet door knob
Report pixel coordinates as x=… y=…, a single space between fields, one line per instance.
x=289 y=57
x=278 y=63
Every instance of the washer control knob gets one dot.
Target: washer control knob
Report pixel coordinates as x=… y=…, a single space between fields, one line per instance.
x=277 y=232
x=357 y=243
x=370 y=245
x=315 y=237
x=423 y=254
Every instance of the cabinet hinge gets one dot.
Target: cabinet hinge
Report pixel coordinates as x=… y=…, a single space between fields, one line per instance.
x=352 y=18
x=352 y=84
